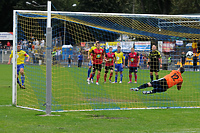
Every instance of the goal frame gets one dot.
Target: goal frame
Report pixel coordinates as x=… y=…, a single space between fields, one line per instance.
x=49 y=40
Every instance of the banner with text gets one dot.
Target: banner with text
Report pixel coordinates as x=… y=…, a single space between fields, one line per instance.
x=168 y=46
x=6 y=36
x=142 y=45
x=126 y=46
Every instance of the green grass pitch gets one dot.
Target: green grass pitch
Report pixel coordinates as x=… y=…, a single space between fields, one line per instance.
x=70 y=90
x=14 y=119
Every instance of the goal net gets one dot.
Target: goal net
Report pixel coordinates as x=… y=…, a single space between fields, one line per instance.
x=74 y=32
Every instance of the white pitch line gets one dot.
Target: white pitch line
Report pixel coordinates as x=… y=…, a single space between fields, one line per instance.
x=5 y=105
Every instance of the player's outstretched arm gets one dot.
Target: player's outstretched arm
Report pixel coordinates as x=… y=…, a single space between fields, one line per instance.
x=128 y=62
x=138 y=61
x=148 y=63
x=28 y=59
x=9 y=61
x=179 y=86
x=160 y=59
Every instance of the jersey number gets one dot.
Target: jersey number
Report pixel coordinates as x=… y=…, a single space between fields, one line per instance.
x=175 y=76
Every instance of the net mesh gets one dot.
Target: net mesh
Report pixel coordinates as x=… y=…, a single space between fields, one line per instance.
x=73 y=33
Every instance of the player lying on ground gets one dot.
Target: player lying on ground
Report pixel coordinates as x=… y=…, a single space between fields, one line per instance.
x=161 y=85
x=20 y=64
x=109 y=58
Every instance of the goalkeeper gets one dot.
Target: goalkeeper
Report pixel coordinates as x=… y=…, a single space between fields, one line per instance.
x=161 y=85
x=20 y=64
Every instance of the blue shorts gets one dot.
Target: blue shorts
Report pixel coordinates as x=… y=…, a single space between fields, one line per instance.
x=19 y=67
x=118 y=67
x=90 y=63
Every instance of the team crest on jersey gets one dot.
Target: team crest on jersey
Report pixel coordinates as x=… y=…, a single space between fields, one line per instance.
x=132 y=60
x=98 y=56
x=110 y=59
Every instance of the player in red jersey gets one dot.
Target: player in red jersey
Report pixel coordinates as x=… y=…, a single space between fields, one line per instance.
x=97 y=60
x=133 y=63
x=109 y=58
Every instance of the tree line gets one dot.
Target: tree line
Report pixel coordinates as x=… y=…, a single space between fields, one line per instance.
x=104 y=6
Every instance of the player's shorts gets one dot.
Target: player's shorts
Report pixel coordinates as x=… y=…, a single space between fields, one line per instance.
x=97 y=67
x=154 y=68
x=90 y=63
x=19 y=67
x=133 y=69
x=159 y=85
x=118 y=67
x=108 y=68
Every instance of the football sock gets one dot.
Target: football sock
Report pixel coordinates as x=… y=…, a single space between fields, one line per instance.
x=130 y=77
x=89 y=71
x=98 y=76
x=121 y=76
x=105 y=75
x=151 y=76
x=143 y=86
x=116 y=77
x=91 y=76
x=18 y=81
x=111 y=74
x=135 y=76
x=157 y=76
x=22 y=79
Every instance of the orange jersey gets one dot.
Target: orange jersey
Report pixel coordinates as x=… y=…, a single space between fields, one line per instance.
x=173 y=78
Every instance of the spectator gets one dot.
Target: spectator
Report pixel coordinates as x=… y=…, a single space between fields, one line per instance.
x=29 y=47
x=194 y=46
x=1 y=45
x=42 y=44
x=69 y=60
x=183 y=58
x=169 y=59
x=33 y=41
x=33 y=47
x=195 y=62
x=58 y=54
x=80 y=59
x=8 y=45
x=54 y=56
x=37 y=44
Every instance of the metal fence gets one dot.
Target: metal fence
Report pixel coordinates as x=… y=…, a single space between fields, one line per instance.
x=4 y=56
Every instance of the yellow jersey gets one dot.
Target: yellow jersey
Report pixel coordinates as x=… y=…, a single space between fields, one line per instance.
x=92 y=48
x=20 y=56
x=119 y=57
x=194 y=45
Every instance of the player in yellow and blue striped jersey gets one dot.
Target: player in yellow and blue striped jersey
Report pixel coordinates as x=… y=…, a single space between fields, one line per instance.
x=119 y=64
x=20 y=64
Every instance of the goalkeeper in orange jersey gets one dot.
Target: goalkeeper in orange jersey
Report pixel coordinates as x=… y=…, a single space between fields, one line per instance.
x=20 y=64
x=161 y=85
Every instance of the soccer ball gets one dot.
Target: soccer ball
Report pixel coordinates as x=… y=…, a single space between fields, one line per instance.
x=189 y=54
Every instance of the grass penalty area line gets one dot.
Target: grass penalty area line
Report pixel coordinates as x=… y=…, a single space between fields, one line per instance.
x=5 y=105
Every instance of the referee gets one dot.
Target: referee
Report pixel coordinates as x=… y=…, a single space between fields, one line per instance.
x=154 y=60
